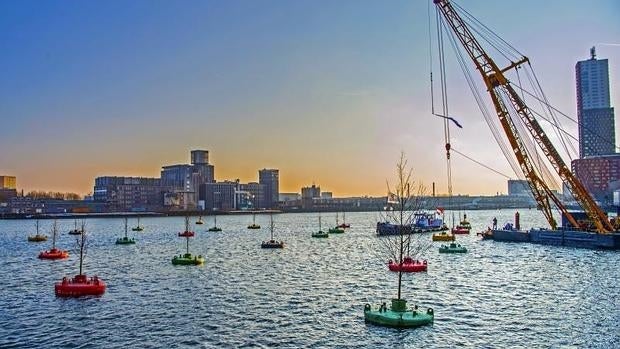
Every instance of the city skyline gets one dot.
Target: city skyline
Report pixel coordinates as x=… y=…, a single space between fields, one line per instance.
x=327 y=93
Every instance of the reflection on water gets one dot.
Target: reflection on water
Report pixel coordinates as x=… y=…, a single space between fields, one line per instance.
x=310 y=294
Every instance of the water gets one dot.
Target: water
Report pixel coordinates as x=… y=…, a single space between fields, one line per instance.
x=310 y=294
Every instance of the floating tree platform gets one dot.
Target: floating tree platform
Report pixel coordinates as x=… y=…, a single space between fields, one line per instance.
x=336 y=230
x=452 y=248
x=320 y=234
x=79 y=286
x=54 y=253
x=408 y=265
x=253 y=226
x=398 y=315
x=125 y=241
x=188 y=259
x=443 y=236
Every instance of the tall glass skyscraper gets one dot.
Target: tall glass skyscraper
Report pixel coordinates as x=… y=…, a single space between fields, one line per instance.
x=597 y=134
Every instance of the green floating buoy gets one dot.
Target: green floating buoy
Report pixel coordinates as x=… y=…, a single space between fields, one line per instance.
x=188 y=259
x=125 y=240
x=398 y=315
x=452 y=248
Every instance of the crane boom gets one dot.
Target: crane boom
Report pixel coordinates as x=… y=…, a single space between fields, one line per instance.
x=502 y=93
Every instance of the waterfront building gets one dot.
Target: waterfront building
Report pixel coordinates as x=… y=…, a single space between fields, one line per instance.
x=308 y=194
x=182 y=181
x=8 y=182
x=518 y=187
x=220 y=196
x=327 y=195
x=597 y=134
x=270 y=178
x=600 y=175
x=283 y=197
x=254 y=193
x=129 y=193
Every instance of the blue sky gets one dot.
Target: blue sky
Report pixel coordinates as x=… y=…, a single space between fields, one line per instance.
x=327 y=91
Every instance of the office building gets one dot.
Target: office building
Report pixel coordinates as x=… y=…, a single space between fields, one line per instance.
x=220 y=196
x=270 y=179
x=129 y=193
x=308 y=194
x=255 y=193
x=597 y=134
x=8 y=182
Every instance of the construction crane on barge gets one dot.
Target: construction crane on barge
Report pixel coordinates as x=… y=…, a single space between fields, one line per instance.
x=503 y=96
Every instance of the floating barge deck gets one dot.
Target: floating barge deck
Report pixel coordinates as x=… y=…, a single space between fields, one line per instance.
x=561 y=237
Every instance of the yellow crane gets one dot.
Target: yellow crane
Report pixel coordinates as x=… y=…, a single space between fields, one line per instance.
x=504 y=95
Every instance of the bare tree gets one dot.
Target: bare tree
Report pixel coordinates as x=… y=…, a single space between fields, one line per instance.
x=81 y=245
x=406 y=198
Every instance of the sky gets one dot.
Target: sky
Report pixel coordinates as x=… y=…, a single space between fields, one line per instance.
x=328 y=92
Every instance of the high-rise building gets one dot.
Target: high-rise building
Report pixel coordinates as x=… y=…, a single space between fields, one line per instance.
x=270 y=178
x=8 y=182
x=597 y=134
x=518 y=187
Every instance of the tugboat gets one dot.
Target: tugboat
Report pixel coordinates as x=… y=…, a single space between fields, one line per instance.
x=199 y=221
x=138 y=227
x=187 y=258
x=344 y=225
x=54 y=253
x=75 y=230
x=452 y=248
x=254 y=225
x=215 y=227
x=320 y=233
x=38 y=237
x=272 y=243
x=398 y=315
x=187 y=233
x=408 y=265
x=80 y=285
x=337 y=229
x=125 y=240
x=443 y=236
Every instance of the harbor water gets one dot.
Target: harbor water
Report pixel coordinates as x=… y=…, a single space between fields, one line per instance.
x=309 y=294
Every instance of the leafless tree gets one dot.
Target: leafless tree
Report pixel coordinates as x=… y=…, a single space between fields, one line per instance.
x=406 y=198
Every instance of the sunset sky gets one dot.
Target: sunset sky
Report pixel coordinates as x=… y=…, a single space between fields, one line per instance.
x=328 y=92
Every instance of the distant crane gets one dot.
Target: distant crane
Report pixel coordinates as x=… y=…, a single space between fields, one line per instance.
x=504 y=95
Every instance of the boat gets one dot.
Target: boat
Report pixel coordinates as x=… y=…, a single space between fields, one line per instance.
x=80 y=285
x=38 y=237
x=54 y=253
x=138 y=227
x=75 y=230
x=443 y=236
x=200 y=221
x=320 y=233
x=344 y=225
x=253 y=225
x=272 y=243
x=337 y=229
x=398 y=315
x=422 y=222
x=125 y=240
x=409 y=265
x=187 y=258
x=387 y=228
x=452 y=248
